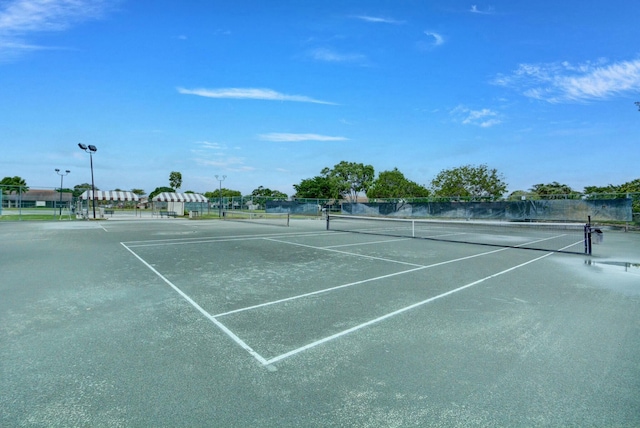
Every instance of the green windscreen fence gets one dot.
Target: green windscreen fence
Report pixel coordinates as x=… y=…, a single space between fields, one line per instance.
x=528 y=210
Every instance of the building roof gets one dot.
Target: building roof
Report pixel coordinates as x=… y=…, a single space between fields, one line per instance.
x=110 y=195
x=180 y=197
x=39 y=195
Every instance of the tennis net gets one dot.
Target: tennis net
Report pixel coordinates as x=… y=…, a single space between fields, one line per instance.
x=557 y=237
x=276 y=219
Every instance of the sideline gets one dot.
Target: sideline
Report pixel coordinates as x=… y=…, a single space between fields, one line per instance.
x=210 y=317
x=399 y=311
x=268 y=362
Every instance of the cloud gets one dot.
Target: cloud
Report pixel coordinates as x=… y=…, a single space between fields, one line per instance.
x=564 y=82
x=21 y=18
x=474 y=9
x=484 y=118
x=206 y=145
x=284 y=137
x=376 y=19
x=215 y=154
x=328 y=55
x=250 y=93
x=437 y=39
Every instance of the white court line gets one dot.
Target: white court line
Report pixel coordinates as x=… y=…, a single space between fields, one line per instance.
x=209 y=239
x=266 y=362
x=343 y=252
x=211 y=318
x=313 y=293
x=325 y=290
x=399 y=311
x=367 y=243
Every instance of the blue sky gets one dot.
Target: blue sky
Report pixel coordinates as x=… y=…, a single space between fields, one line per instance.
x=270 y=92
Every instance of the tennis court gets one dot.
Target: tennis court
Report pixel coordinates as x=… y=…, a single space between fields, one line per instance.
x=232 y=323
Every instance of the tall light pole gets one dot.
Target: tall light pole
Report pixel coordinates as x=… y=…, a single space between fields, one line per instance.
x=91 y=150
x=220 y=194
x=61 y=174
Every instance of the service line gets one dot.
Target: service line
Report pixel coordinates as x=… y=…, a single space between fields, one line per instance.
x=267 y=363
x=398 y=312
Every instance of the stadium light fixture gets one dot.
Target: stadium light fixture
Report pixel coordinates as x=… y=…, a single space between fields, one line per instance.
x=61 y=174
x=91 y=150
x=220 y=194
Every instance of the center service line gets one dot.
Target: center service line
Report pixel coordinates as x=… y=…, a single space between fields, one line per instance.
x=399 y=311
x=363 y=281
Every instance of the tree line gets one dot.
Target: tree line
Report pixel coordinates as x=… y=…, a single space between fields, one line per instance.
x=349 y=180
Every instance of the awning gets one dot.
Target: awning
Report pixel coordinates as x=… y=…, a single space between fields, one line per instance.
x=180 y=197
x=111 y=195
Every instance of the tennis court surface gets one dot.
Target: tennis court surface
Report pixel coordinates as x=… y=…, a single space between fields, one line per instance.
x=178 y=322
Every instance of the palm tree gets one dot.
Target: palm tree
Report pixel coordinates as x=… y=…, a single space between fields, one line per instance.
x=13 y=185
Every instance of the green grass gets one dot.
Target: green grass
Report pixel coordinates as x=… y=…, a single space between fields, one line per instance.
x=33 y=217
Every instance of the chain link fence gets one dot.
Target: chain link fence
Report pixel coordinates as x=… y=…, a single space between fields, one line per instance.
x=19 y=201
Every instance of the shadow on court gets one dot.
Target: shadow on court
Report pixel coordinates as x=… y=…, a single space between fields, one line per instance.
x=212 y=323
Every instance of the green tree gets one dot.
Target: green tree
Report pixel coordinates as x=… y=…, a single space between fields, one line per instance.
x=226 y=193
x=175 y=179
x=517 y=195
x=611 y=191
x=266 y=192
x=350 y=178
x=622 y=189
x=13 y=185
x=393 y=184
x=632 y=186
x=319 y=187
x=159 y=190
x=262 y=194
x=469 y=181
x=276 y=194
x=79 y=189
x=138 y=192
x=554 y=190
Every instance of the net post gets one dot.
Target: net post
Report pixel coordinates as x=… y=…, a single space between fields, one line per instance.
x=288 y=217
x=413 y=228
x=327 y=220
x=587 y=237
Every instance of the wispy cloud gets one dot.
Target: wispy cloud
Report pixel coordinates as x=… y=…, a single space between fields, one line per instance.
x=378 y=19
x=206 y=145
x=475 y=9
x=286 y=137
x=329 y=55
x=250 y=94
x=21 y=18
x=484 y=118
x=216 y=155
x=436 y=39
x=565 y=82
